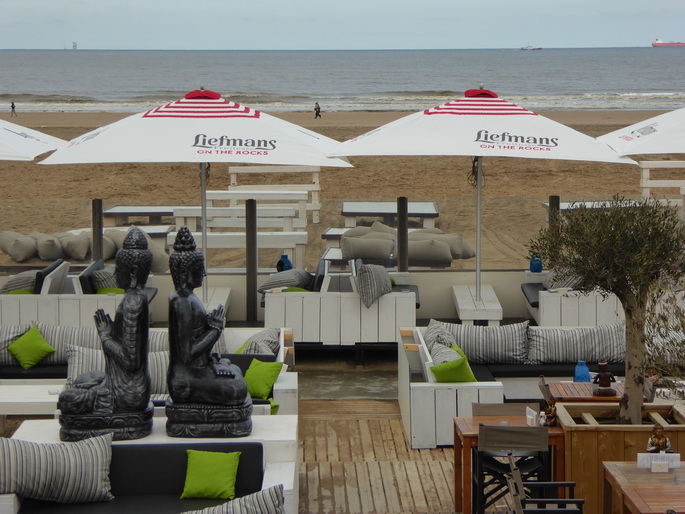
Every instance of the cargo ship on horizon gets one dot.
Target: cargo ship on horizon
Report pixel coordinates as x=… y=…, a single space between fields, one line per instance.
x=659 y=42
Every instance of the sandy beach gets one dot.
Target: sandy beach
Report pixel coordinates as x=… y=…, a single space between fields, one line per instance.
x=50 y=199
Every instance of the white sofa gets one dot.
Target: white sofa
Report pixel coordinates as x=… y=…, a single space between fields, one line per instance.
x=428 y=407
x=338 y=317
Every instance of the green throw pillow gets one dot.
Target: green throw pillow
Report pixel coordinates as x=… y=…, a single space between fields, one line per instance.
x=454 y=371
x=261 y=377
x=211 y=474
x=107 y=290
x=21 y=291
x=31 y=348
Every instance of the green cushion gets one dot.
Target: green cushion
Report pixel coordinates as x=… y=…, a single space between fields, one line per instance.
x=31 y=348
x=242 y=348
x=261 y=377
x=211 y=474
x=274 y=406
x=21 y=291
x=454 y=371
x=295 y=290
x=108 y=290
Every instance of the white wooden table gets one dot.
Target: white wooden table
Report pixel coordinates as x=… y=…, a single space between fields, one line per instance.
x=469 y=309
x=425 y=211
x=28 y=400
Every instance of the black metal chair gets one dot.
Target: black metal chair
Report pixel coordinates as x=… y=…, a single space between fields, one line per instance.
x=542 y=495
x=529 y=446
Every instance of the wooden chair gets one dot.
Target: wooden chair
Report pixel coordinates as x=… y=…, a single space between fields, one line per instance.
x=502 y=409
x=529 y=445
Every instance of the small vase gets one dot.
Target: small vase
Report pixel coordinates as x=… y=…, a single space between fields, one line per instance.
x=284 y=263
x=535 y=264
x=582 y=373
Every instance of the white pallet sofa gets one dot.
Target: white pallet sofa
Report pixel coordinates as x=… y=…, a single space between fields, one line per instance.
x=333 y=317
x=570 y=308
x=428 y=407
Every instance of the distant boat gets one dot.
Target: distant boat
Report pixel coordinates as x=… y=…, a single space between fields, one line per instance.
x=658 y=42
x=530 y=47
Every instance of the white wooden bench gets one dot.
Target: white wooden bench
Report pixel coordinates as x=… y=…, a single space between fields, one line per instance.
x=293 y=243
x=234 y=217
x=118 y=216
x=297 y=199
x=427 y=212
x=314 y=186
x=647 y=182
x=428 y=407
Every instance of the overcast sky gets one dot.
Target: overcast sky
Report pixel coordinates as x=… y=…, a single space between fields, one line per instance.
x=330 y=24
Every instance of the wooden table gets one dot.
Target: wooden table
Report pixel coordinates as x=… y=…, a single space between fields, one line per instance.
x=630 y=489
x=466 y=439
x=425 y=211
x=582 y=392
x=118 y=216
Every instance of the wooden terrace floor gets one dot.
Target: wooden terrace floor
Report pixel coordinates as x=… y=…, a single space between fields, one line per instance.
x=354 y=458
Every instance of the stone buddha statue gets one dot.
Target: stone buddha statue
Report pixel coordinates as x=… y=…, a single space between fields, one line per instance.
x=209 y=396
x=118 y=399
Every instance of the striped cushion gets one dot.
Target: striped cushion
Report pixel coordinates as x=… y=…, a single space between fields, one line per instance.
x=441 y=354
x=504 y=344
x=269 y=337
x=570 y=282
x=60 y=338
x=9 y=334
x=373 y=281
x=256 y=347
x=62 y=472
x=23 y=280
x=268 y=501
x=159 y=342
x=82 y=360
x=590 y=344
x=104 y=278
x=290 y=278
x=437 y=333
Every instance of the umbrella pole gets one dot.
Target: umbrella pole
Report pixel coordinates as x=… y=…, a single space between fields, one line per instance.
x=203 y=181
x=479 y=188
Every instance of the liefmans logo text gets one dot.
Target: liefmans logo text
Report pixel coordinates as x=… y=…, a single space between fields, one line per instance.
x=225 y=145
x=515 y=141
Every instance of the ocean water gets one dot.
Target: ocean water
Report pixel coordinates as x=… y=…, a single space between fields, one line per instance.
x=277 y=81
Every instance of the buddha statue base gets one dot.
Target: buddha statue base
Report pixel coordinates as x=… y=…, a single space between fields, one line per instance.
x=123 y=425
x=202 y=420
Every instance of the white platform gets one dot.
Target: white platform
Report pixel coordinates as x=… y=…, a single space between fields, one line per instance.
x=469 y=309
x=28 y=400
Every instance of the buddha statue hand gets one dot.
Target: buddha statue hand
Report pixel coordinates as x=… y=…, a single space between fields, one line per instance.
x=103 y=323
x=221 y=368
x=216 y=318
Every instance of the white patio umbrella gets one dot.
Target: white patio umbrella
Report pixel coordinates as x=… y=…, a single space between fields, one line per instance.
x=661 y=134
x=19 y=143
x=202 y=127
x=480 y=125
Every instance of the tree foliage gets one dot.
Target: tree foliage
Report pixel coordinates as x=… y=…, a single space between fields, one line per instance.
x=635 y=250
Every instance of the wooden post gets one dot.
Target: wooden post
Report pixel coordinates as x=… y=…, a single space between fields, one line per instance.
x=402 y=234
x=97 y=223
x=252 y=259
x=554 y=208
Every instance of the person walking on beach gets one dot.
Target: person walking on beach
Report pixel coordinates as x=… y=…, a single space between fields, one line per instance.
x=317 y=110
x=13 y=112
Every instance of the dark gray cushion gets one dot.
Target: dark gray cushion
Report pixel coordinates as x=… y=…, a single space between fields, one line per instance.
x=86 y=277
x=531 y=291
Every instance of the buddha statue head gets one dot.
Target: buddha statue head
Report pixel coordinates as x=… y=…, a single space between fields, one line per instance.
x=133 y=261
x=186 y=264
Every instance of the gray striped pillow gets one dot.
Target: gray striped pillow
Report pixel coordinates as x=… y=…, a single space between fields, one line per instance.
x=437 y=333
x=82 y=360
x=63 y=472
x=564 y=345
x=373 y=281
x=256 y=347
x=8 y=335
x=159 y=342
x=505 y=344
x=23 y=280
x=441 y=354
x=268 y=501
x=269 y=337
x=290 y=278
x=60 y=338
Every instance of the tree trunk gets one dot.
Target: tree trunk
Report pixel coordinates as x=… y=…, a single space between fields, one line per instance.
x=630 y=410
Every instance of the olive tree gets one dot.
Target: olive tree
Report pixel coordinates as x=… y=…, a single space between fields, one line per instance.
x=631 y=249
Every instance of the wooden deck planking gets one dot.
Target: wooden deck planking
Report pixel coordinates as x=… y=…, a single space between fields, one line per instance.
x=355 y=459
